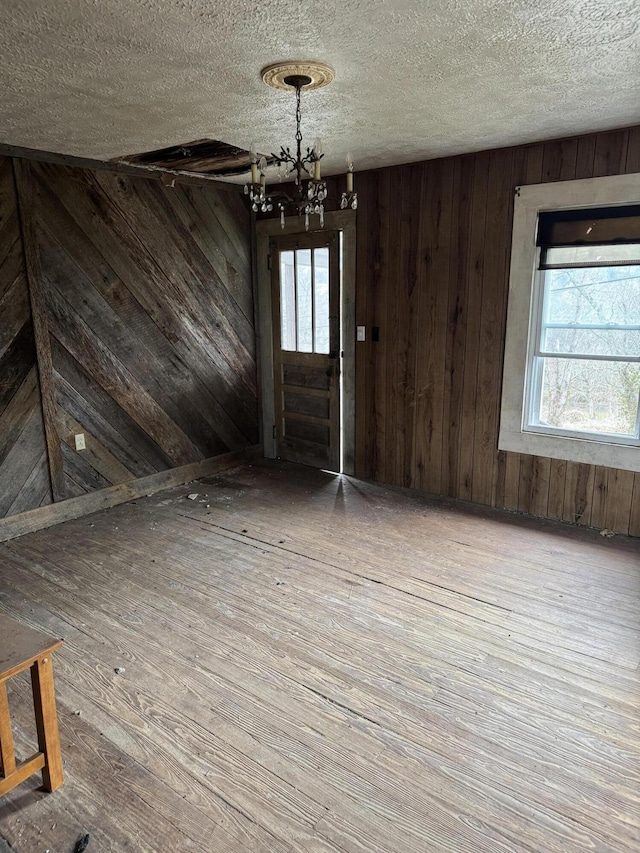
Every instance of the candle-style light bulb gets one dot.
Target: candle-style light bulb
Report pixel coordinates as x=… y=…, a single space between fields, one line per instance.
x=254 y=163
x=317 y=153
x=349 y=173
x=262 y=166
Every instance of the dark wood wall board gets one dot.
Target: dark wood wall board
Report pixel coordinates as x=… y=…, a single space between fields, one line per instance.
x=81 y=472
x=457 y=309
x=634 y=517
x=14 y=306
x=379 y=385
x=24 y=476
x=474 y=312
x=80 y=340
x=145 y=209
x=153 y=318
x=162 y=284
x=150 y=319
x=227 y=257
x=408 y=315
x=21 y=464
x=17 y=413
x=435 y=238
x=492 y=323
x=26 y=206
x=392 y=392
x=73 y=288
x=16 y=362
x=84 y=400
x=139 y=307
x=433 y=250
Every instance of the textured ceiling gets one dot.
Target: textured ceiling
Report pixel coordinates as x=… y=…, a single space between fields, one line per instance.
x=414 y=78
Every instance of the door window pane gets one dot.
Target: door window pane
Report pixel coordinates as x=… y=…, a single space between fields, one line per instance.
x=287 y=301
x=305 y=300
x=321 y=297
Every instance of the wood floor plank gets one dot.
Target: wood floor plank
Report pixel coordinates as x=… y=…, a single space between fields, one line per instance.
x=316 y=663
x=263 y=690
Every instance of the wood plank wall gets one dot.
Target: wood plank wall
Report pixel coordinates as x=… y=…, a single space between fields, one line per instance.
x=144 y=296
x=433 y=259
x=433 y=268
x=24 y=475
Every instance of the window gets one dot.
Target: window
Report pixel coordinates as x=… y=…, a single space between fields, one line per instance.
x=571 y=383
x=304 y=300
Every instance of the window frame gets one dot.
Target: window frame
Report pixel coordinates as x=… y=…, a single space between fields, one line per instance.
x=525 y=305
x=535 y=366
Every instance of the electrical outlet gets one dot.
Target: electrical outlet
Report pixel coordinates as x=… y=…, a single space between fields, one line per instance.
x=361 y=333
x=80 y=442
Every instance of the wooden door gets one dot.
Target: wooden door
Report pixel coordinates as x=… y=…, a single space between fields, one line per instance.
x=305 y=292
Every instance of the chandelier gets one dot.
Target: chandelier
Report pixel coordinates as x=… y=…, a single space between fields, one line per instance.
x=310 y=191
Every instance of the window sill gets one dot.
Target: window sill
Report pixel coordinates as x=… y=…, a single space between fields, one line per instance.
x=571 y=449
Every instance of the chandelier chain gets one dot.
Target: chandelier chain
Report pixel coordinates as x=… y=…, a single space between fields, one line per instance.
x=299 y=120
x=299 y=135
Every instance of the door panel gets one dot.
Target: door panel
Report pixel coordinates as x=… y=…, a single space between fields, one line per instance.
x=305 y=291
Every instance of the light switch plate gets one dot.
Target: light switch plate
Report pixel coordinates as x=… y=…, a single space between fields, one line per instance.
x=361 y=333
x=80 y=442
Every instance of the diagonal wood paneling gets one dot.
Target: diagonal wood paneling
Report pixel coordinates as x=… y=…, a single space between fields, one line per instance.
x=148 y=301
x=24 y=473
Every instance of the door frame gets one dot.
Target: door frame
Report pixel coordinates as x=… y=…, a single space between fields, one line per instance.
x=266 y=229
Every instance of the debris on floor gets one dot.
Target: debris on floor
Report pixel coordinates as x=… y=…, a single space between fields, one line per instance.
x=192 y=496
x=119 y=670
x=82 y=843
x=77 y=713
x=606 y=532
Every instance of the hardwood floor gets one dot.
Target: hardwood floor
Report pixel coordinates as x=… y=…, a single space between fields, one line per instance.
x=319 y=664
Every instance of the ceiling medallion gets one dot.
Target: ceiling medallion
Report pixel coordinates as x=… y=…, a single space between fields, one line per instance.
x=319 y=73
x=304 y=169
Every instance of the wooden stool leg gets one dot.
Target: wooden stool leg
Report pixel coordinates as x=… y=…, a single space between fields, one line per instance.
x=44 y=700
x=7 y=755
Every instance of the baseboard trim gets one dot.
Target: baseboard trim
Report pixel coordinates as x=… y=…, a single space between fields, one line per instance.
x=47 y=516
